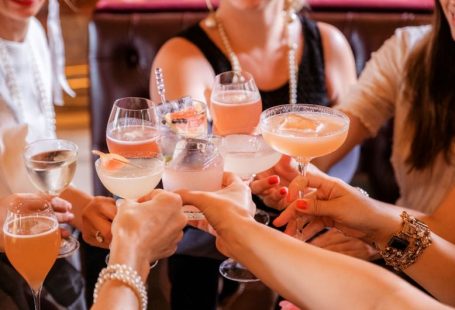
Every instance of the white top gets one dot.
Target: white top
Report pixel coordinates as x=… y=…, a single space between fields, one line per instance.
x=378 y=96
x=21 y=125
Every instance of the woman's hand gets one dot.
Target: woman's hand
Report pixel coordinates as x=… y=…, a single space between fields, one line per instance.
x=152 y=228
x=62 y=208
x=97 y=217
x=222 y=208
x=338 y=205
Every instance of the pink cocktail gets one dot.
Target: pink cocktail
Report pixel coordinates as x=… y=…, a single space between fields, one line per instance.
x=304 y=131
x=133 y=141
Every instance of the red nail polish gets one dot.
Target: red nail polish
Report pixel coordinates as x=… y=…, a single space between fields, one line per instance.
x=301 y=204
x=283 y=191
x=274 y=180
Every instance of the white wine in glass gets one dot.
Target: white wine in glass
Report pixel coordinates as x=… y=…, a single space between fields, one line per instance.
x=51 y=165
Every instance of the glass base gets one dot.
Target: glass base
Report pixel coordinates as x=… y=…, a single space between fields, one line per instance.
x=262 y=217
x=232 y=270
x=68 y=246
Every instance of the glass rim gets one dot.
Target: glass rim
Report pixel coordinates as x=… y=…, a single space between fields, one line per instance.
x=151 y=104
x=30 y=145
x=159 y=105
x=317 y=109
x=248 y=76
x=158 y=156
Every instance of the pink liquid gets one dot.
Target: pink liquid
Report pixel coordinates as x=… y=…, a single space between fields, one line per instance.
x=133 y=141
x=236 y=112
x=208 y=180
x=303 y=143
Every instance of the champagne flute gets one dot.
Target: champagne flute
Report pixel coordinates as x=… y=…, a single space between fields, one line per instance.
x=32 y=241
x=51 y=165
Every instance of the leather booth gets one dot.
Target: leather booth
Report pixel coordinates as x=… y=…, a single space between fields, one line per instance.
x=124 y=36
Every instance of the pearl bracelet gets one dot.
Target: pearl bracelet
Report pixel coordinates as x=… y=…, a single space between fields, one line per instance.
x=126 y=275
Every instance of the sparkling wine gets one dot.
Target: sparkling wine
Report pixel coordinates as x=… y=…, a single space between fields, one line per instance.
x=52 y=171
x=33 y=247
x=236 y=111
x=133 y=141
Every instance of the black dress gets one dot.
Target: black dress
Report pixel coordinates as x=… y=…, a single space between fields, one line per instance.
x=193 y=271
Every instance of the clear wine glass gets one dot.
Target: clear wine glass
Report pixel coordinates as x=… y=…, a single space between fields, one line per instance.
x=304 y=131
x=196 y=165
x=235 y=103
x=51 y=165
x=132 y=129
x=246 y=155
x=32 y=241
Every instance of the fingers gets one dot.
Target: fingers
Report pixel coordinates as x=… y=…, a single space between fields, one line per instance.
x=276 y=198
x=150 y=195
x=60 y=205
x=230 y=178
x=64 y=217
x=201 y=200
x=258 y=187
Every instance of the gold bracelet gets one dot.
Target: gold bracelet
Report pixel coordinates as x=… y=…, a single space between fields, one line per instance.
x=406 y=246
x=126 y=275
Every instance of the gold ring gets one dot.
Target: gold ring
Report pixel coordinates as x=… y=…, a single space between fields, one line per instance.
x=99 y=237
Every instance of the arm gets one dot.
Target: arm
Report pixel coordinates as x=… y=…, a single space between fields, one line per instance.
x=142 y=233
x=185 y=69
x=317 y=278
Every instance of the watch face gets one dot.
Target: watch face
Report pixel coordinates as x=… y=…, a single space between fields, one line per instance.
x=398 y=243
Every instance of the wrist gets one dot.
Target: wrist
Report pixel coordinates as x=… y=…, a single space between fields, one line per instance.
x=388 y=223
x=129 y=251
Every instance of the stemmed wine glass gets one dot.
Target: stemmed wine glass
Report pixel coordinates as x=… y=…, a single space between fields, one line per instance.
x=32 y=241
x=51 y=165
x=304 y=131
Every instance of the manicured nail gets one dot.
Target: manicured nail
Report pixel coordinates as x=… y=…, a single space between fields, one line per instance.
x=283 y=191
x=302 y=205
x=274 y=180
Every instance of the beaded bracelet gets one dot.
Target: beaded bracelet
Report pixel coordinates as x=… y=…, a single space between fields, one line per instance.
x=126 y=275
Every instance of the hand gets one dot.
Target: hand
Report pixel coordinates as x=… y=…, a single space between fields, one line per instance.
x=97 y=217
x=270 y=191
x=342 y=206
x=284 y=169
x=286 y=305
x=223 y=208
x=62 y=208
x=153 y=227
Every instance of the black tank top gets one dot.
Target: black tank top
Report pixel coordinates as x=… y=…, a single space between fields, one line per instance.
x=311 y=87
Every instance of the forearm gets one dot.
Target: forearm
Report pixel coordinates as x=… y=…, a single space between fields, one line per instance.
x=117 y=295
x=309 y=276
x=78 y=200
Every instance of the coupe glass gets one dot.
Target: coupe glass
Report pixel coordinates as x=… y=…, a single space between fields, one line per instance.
x=51 y=165
x=132 y=129
x=235 y=103
x=304 y=131
x=32 y=241
x=196 y=165
x=246 y=155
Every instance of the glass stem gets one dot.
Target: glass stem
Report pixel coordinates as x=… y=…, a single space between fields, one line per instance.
x=36 y=298
x=303 y=168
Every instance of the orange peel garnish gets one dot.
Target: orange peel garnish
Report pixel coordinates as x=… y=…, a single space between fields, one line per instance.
x=111 y=161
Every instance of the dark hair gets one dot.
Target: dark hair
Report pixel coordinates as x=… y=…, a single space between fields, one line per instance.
x=430 y=84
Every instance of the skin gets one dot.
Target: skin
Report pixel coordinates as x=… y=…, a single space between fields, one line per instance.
x=316 y=276
x=448 y=7
x=15 y=16
x=142 y=233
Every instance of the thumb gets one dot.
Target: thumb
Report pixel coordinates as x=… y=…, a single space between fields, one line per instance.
x=198 y=199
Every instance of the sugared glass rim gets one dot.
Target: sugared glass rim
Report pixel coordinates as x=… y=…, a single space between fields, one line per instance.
x=73 y=145
x=299 y=107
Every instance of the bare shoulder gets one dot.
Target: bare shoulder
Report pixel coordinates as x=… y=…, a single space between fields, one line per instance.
x=332 y=37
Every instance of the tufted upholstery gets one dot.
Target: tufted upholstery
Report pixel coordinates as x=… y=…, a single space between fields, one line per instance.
x=124 y=39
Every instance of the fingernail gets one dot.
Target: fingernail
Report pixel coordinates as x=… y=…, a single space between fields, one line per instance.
x=302 y=205
x=283 y=191
x=273 y=180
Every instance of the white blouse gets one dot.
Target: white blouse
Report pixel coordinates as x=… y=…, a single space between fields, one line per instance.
x=23 y=124
x=379 y=95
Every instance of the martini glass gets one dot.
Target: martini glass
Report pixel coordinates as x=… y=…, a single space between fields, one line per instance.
x=51 y=165
x=304 y=131
x=32 y=241
x=246 y=155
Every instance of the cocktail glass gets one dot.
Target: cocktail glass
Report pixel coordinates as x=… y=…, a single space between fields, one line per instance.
x=131 y=179
x=304 y=131
x=132 y=129
x=246 y=155
x=51 y=165
x=196 y=164
x=235 y=103
x=32 y=241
